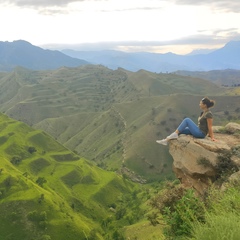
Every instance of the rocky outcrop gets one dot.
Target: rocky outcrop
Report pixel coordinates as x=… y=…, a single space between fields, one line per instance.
x=196 y=161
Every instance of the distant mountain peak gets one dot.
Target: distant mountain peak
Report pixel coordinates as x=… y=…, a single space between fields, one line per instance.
x=22 y=41
x=24 y=54
x=200 y=51
x=233 y=44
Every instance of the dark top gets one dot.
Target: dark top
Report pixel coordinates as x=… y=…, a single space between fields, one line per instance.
x=202 y=121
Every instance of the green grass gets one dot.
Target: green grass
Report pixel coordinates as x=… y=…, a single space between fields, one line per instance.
x=228 y=77
x=222 y=215
x=109 y=116
x=38 y=165
x=75 y=197
x=144 y=231
x=218 y=226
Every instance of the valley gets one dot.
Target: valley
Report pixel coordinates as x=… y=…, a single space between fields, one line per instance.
x=111 y=117
x=78 y=149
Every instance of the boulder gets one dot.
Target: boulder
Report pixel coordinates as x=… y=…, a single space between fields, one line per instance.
x=232 y=127
x=233 y=179
x=195 y=160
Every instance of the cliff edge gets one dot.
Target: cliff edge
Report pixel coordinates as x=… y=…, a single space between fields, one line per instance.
x=199 y=163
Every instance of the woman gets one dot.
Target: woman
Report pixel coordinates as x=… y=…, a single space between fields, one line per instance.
x=188 y=127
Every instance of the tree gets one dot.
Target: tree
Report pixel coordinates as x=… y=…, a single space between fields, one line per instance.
x=41 y=198
x=40 y=181
x=16 y=160
x=32 y=150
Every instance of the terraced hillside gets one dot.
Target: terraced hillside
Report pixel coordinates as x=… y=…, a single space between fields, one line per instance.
x=111 y=117
x=49 y=192
x=228 y=77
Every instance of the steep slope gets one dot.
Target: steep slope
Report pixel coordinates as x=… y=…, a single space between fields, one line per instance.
x=48 y=192
x=111 y=117
x=22 y=53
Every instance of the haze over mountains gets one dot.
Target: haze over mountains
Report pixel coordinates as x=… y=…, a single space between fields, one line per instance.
x=22 y=53
x=108 y=121
x=223 y=58
x=89 y=108
x=112 y=117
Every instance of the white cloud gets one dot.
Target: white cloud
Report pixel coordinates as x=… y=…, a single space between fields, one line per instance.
x=223 y=5
x=127 y=24
x=41 y=3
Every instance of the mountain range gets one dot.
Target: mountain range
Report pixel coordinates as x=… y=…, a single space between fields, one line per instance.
x=100 y=112
x=226 y=57
x=228 y=77
x=112 y=117
x=72 y=138
x=24 y=54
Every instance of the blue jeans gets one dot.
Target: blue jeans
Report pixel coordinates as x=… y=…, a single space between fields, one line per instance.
x=188 y=127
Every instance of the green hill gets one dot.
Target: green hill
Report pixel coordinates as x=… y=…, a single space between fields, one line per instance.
x=228 y=77
x=49 y=192
x=111 y=117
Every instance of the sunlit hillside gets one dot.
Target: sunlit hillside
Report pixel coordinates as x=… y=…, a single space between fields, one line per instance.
x=112 y=117
x=49 y=192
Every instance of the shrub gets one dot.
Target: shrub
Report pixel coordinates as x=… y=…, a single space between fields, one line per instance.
x=16 y=160
x=9 y=182
x=226 y=112
x=204 y=162
x=168 y=198
x=163 y=122
x=31 y=150
x=39 y=218
x=220 y=227
x=222 y=218
x=120 y=213
x=40 y=181
x=180 y=217
x=153 y=218
x=225 y=166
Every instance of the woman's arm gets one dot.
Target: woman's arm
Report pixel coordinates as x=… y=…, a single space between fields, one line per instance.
x=210 y=130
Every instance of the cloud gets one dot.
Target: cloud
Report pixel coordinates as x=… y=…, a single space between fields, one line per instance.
x=53 y=7
x=42 y=3
x=132 y=9
x=223 y=5
x=201 y=40
x=46 y=7
x=230 y=32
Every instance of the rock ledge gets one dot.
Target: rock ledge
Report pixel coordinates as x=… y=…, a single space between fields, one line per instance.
x=195 y=160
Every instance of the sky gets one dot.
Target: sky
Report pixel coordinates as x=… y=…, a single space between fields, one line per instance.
x=178 y=26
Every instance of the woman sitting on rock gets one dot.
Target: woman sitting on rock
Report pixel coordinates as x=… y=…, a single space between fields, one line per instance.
x=188 y=127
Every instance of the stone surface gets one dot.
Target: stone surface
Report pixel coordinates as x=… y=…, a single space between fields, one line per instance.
x=232 y=127
x=233 y=179
x=195 y=159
